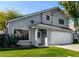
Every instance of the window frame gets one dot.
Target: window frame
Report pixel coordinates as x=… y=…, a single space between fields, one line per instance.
x=25 y=30
x=61 y=21
x=48 y=17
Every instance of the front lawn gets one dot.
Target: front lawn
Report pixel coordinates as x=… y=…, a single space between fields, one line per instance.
x=41 y=52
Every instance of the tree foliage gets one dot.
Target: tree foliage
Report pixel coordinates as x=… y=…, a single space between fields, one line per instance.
x=71 y=10
x=7 y=15
x=11 y=14
x=2 y=20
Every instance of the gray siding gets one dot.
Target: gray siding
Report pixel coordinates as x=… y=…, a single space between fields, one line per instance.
x=49 y=36
x=44 y=18
x=54 y=19
x=32 y=36
x=24 y=23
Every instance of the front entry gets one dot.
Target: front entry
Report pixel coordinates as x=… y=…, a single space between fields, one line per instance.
x=42 y=34
x=39 y=37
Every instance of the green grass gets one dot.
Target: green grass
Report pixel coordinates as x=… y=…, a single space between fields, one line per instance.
x=37 y=52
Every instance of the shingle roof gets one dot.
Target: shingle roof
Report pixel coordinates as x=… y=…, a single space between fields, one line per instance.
x=56 y=9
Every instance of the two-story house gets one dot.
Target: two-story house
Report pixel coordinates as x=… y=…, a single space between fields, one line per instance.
x=45 y=27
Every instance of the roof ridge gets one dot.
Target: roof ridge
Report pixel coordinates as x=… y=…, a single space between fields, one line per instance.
x=31 y=14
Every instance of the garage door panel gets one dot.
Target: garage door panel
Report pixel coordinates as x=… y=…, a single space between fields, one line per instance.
x=61 y=37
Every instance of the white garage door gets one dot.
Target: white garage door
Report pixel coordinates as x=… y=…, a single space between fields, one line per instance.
x=61 y=37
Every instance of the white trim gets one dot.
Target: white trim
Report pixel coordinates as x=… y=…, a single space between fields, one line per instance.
x=46 y=41
x=43 y=26
x=23 y=29
x=36 y=38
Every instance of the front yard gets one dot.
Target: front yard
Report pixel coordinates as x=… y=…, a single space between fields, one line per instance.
x=37 y=52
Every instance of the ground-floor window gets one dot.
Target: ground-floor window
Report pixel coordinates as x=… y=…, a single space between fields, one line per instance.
x=22 y=34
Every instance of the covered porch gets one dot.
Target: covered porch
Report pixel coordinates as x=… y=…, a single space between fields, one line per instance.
x=42 y=34
x=41 y=37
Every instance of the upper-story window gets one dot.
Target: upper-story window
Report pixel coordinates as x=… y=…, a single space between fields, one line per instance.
x=47 y=17
x=61 y=21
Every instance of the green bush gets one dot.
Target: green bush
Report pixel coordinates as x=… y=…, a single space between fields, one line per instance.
x=11 y=40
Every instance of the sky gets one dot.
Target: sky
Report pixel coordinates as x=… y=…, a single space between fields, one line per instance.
x=27 y=7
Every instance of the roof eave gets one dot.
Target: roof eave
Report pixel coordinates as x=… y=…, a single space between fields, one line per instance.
x=33 y=14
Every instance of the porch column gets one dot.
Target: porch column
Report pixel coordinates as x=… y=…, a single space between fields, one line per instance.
x=46 y=39
x=36 y=40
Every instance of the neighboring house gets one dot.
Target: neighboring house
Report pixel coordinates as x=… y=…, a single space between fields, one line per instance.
x=46 y=27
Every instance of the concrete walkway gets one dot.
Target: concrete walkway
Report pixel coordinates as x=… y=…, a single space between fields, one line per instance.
x=74 y=47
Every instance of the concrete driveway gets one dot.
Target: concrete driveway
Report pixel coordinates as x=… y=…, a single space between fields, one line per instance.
x=74 y=47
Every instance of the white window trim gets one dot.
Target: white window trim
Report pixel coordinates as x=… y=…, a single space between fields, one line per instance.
x=50 y=17
x=63 y=20
x=23 y=29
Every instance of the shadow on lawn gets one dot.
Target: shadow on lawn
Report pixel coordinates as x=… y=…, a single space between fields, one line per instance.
x=9 y=49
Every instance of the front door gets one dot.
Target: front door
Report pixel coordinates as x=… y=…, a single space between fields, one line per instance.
x=44 y=36
x=39 y=37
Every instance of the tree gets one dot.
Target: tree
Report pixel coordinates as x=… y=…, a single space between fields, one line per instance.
x=8 y=15
x=71 y=10
x=2 y=20
x=11 y=14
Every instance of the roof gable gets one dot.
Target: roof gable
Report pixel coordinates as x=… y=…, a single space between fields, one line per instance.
x=55 y=9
